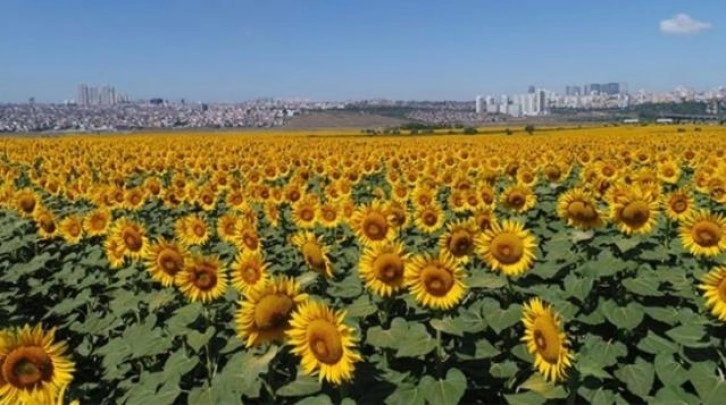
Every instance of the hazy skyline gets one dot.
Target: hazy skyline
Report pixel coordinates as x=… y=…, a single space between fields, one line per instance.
x=237 y=50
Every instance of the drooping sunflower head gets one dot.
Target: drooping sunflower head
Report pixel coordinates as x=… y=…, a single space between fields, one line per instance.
x=704 y=233
x=265 y=311
x=46 y=222
x=96 y=223
x=34 y=368
x=678 y=205
x=371 y=224
x=71 y=229
x=314 y=252
x=579 y=209
x=484 y=218
x=459 y=240
x=202 y=279
x=114 y=249
x=26 y=202
x=397 y=214
x=518 y=198
x=164 y=260
x=249 y=271
x=436 y=281
x=325 y=343
x=545 y=340
x=382 y=268
x=635 y=212
x=713 y=286
x=507 y=247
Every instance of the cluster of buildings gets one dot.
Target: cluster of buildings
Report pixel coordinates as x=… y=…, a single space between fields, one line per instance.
x=100 y=96
x=539 y=102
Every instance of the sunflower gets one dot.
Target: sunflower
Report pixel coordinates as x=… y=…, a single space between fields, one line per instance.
x=713 y=285
x=273 y=214
x=397 y=214
x=249 y=271
x=429 y=219
x=246 y=237
x=34 y=368
x=304 y=212
x=424 y=196
x=134 y=198
x=114 y=249
x=235 y=198
x=202 y=279
x=678 y=205
x=314 y=252
x=458 y=240
x=371 y=224
x=46 y=222
x=484 y=218
x=704 y=233
x=227 y=227
x=26 y=202
x=669 y=172
x=435 y=281
x=164 y=260
x=96 y=223
x=507 y=247
x=71 y=229
x=382 y=268
x=545 y=340
x=518 y=198
x=324 y=343
x=329 y=215
x=579 y=209
x=635 y=212
x=265 y=312
x=191 y=230
x=131 y=238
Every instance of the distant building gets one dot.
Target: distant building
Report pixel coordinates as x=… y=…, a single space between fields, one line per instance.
x=572 y=90
x=515 y=110
x=531 y=90
x=479 y=105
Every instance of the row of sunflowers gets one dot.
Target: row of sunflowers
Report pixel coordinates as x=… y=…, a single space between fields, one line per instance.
x=586 y=264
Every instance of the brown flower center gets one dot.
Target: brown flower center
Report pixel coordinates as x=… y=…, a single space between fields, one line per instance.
x=437 y=280
x=582 y=211
x=636 y=213
x=706 y=234
x=273 y=311
x=375 y=226
x=170 y=261
x=205 y=277
x=325 y=341
x=132 y=239
x=389 y=268
x=507 y=248
x=516 y=199
x=313 y=255
x=27 y=367
x=461 y=243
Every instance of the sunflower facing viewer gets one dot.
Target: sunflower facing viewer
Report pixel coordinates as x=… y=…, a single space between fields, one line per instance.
x=507 y=247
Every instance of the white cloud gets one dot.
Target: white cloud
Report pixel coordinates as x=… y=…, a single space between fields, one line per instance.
x=683 y=24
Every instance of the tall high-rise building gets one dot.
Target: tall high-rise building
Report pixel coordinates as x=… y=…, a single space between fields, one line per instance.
x=531 y=89
x=83 y=95
x=478 y=104
x=106 y=95
x=572 y=90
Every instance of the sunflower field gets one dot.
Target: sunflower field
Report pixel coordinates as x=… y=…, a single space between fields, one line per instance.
x=573 y=266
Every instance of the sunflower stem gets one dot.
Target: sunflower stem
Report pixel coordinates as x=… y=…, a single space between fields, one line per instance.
x=439 y=355
x=210 y=368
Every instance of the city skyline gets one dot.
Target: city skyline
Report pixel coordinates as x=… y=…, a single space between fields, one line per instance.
x=233 y=51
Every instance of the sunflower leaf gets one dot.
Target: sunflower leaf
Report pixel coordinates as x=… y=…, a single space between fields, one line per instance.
x=688 y=335
x=539 y=385
x=302 y=386
x=637 y=377
x=627 y=317
x=446 y=391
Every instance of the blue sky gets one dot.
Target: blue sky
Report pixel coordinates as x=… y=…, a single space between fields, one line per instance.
x=229 y=50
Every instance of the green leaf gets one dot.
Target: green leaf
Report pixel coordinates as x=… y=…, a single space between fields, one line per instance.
x=627 y=317
x=525 y=398
x=668 y=370
x=301 y=387
x=350 y=287
x=241 y=373
x=407 y=395
x=654 y=344
x=321 y=399
x=178 y=324
x=196 y=340
x=667 y=315
x=488 y=280
x=637 y=377
x=643 y=285
x=447 y=391
x=539 y=385
x=674 y=395
x=710 y=387
x=688 y=335
x=500 y=319
x=451 y=326
x=178 y=364
x=577 y=287
x=604 y=265
x=626 y=244
x=504 y=369
x=361 y=307
x=472 y=318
